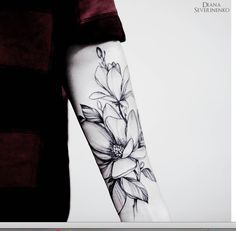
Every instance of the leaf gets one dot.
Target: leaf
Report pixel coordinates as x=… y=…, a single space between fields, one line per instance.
x=141 y=165
x=91 y=114
x=149 y=174
x=81 y=118
x=134 y=189
x=99 y=52
x=118 y=197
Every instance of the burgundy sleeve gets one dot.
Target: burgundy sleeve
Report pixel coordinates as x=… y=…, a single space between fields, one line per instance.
x=97 y=21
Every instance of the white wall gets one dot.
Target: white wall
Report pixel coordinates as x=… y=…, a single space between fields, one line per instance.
x=180 y=72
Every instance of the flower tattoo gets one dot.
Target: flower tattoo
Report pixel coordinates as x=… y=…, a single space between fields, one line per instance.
x=115 y=136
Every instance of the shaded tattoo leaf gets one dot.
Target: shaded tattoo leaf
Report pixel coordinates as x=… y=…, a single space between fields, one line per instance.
x=99 y=52
x=81 y=118
x=147 y=172
x=134 y=189
x=91 y=114
x=141 y=165
x=118 y=196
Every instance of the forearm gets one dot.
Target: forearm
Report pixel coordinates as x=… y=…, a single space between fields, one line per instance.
x=101 y=93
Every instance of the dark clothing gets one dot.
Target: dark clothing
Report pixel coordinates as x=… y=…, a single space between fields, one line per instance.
x=34 y=38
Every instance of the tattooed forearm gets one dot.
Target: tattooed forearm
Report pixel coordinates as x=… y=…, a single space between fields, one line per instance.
x=100 y=90
x=115 y=135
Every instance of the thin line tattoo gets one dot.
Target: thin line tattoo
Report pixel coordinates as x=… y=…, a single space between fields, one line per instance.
x=114 y=133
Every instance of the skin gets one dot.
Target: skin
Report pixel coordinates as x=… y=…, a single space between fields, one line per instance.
x=113 y=130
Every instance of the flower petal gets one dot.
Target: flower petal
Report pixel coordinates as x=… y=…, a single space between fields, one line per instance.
x=102 y=156
x=97 y=95
x=132 y=175
x=139 y=153
x=100 y=76
x=109 y=110
x=132 y=127
x=128 y=149
x=114 y=81
x=109 y=98
x=117 y=128
x=97 y=137
x=121 y=167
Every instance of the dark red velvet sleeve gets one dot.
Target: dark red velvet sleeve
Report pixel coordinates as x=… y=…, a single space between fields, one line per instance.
x=97 y=21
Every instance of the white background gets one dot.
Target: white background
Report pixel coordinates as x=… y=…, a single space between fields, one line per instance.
x=233 y=116
x=180 y=71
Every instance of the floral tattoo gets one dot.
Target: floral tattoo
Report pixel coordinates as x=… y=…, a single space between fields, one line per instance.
x=115 y=136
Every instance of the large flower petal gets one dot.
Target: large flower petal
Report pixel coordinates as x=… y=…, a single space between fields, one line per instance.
x=110 y=111
x=121 y=167
x=114 y=81
x=102 y=156
x=128 y=149
x=97 y=137
x=132 y=175
x=139 y=153
x=132 y=128
x=117 y=128
x=100 y=76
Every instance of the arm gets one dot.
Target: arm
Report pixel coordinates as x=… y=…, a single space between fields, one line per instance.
x=100 y=91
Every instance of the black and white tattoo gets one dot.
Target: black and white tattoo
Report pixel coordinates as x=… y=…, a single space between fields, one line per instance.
x=115 y=135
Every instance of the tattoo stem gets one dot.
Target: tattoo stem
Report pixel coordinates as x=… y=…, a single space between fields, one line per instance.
x=135 y=206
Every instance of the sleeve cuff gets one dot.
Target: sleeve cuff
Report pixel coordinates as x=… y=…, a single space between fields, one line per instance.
x=102 y=29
